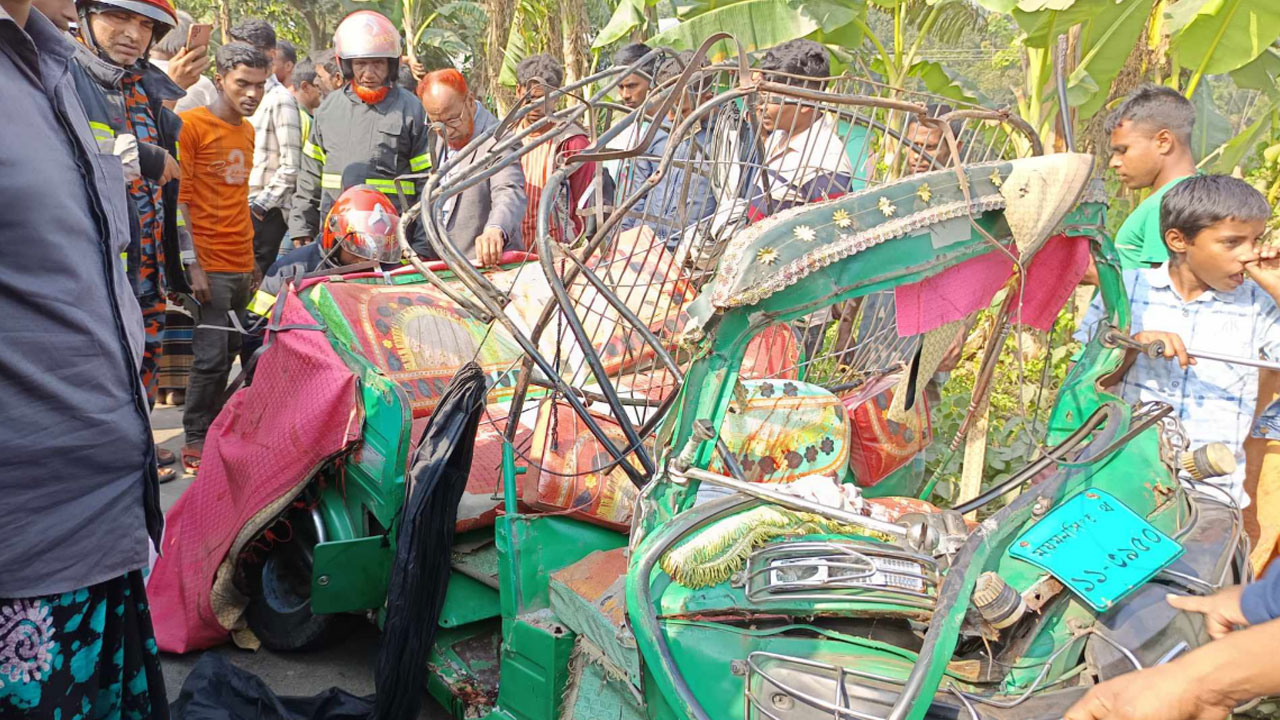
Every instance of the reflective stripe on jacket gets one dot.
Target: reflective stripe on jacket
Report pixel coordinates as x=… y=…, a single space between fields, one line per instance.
x=351 y=143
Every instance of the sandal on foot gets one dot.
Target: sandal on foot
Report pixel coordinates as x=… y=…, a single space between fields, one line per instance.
x=191 y=457
x=165 y=457
x=167 y=474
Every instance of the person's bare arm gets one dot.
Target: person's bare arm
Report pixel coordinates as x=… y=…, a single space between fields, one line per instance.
x=1205 y=684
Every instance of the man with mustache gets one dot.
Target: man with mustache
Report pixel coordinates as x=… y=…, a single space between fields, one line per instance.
x=125 y=96
x=370 y=121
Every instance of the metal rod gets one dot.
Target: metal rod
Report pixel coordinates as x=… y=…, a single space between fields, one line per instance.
x=763 y=492
x=1112 y=337
x=1234 y=360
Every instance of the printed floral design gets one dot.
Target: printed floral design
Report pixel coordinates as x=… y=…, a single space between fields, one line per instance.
x=842 y=219
x=996 y=178
x=26 y=641
x=925 y=193
x=887 y=207
x=805 y=233
x=767 y=256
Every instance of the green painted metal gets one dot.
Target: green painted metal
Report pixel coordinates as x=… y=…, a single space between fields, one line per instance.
x=531 y=547
x=462 y=673
x=467 y=600
x=351 y=575
x=540 y=621
x=699 y=649
x=535 y=667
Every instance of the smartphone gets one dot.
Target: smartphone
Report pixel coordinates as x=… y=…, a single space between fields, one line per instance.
x=199 y=36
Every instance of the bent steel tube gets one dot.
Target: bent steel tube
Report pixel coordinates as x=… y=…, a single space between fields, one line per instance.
x=762 y=491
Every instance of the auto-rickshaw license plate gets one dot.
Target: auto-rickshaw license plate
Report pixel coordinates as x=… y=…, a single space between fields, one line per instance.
x=1096 y=546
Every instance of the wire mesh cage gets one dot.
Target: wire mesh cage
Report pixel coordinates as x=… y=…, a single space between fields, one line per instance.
x=711 y=150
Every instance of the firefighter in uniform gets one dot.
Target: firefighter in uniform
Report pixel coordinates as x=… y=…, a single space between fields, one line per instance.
x=371 y=123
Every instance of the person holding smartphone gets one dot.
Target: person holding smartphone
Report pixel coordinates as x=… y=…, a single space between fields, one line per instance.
x=183 y=55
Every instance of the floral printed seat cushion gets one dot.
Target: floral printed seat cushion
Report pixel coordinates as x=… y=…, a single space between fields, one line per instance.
x=783 y=430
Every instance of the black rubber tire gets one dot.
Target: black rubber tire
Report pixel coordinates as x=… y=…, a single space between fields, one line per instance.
x=280 y=608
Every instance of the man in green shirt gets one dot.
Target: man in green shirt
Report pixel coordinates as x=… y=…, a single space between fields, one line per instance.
x=1150 y=148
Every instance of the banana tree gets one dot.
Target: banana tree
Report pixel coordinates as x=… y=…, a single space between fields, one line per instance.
x=1115 y=44
x=440 y=34
x=757 y=24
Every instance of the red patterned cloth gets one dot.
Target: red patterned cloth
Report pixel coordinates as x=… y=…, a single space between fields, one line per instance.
x=303 y=391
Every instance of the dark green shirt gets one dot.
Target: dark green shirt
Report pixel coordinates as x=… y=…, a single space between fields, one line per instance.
x=1139 y=240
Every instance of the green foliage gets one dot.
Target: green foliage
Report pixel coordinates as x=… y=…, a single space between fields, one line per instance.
x=759 y=24
x=1022 y=394
x=1224 y=35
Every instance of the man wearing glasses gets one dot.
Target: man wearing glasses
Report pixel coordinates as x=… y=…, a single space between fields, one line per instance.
x=483 y=220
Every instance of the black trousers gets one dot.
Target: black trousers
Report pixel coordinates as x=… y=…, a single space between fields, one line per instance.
x=267 y=235
x=214 y=344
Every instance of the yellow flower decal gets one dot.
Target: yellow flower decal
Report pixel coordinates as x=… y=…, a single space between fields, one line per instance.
x=924 y=192
x=996 y=178
x=767 y=256
x=842 y=219
x=805 y=233
x=887 y=207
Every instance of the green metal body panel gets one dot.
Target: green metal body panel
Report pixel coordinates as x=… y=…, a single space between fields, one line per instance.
x=701 y=651
x=371 y=487
x=535 y=667
x=542 y=620
x=462 y=674
x=467 y=600
x=531 y=547
x=352 y=574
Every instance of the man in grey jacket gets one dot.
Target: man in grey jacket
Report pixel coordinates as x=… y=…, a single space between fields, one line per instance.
x=484 y=220
x=78 y=490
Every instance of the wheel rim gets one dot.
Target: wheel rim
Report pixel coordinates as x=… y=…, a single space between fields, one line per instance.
x=286 y=576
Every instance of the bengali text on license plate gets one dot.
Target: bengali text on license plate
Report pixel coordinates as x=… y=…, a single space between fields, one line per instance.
x=1098 y=547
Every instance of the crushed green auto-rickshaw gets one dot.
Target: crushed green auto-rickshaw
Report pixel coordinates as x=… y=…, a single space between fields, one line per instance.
x=700 y=485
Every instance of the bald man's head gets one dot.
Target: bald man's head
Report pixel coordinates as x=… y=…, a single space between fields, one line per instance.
x=449 y=102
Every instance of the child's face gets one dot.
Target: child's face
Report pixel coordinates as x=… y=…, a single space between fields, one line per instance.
x=1218 y=254
x=1138 y=153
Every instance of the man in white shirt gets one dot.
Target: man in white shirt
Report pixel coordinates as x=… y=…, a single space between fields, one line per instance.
x=277 y=150
x=804 y=159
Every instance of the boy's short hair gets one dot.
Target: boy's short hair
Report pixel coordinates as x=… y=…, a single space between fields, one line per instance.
x=1157 y=107
x=803 y=58
x=541 y=67
x=287 y=51
x=304 y=71
x=256 y=32
x=235 y=54
x=1203 y=200
x=631 y=53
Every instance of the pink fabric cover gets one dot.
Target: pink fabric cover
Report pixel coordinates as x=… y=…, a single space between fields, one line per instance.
x=968 y=287
x=1054 y=274
x=301 y=409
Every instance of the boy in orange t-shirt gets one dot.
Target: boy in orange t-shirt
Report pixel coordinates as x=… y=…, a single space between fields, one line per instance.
x=216 y=154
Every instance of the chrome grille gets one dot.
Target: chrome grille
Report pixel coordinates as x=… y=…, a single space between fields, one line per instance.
x=841 y=571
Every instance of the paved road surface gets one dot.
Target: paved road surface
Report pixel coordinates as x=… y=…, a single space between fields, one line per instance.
x=348 y=665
